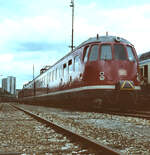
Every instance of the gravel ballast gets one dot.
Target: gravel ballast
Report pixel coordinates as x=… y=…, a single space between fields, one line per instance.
x=129 y=135
x=21 y=133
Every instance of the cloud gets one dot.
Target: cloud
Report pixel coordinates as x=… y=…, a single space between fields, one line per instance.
x=20 y=64
x=38 y=46
x=131 y=23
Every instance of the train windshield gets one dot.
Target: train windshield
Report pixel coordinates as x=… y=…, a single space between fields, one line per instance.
x=119 y=52
x=130 y=54
x=94 y=53
x=106 y=53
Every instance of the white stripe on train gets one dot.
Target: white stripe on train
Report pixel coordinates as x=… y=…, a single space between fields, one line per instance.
x=110 y=87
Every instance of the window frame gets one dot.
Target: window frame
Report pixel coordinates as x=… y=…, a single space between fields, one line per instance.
x=132 y=53
x=75 y=69
x=89 y=53
x=70 y=65
x=124 y=47
x=86 y=53
x=112 y=53
x=65 y=70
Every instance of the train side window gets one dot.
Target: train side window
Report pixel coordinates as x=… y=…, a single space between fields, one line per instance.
x=76 y=63
x=56 y=74
x=60 y=71
x=85 y=54
x=43 y=81
x=130 y=54
x=70 y=67
x=49 y=76
x=64 y=70
x=53 y=75
x=94 y=53
x=119 y=52
x=106 y=52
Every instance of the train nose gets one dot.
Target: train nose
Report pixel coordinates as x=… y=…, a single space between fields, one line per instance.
x=125 y=85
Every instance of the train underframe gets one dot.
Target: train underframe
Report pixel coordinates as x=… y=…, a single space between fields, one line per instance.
x=87 y=99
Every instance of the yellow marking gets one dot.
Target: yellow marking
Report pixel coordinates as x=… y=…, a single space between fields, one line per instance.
x=123 y=85
x=131 y=84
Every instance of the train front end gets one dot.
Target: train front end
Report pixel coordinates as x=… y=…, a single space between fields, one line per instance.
x=112 y=65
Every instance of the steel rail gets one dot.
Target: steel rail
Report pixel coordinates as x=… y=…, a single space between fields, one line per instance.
x=139 y=115
x=130 y=113
x=98 y=147
x=10 y=153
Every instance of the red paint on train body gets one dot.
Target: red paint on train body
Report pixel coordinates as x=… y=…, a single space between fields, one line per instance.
x=100 y=69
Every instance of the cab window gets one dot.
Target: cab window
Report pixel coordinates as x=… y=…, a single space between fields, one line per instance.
x=130 y=54
x=85 y=54
x=94 y=53
x=119 y=52
x=106 y=52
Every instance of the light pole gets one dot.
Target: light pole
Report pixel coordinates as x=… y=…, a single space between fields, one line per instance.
x=34 y=86
x=72 y=6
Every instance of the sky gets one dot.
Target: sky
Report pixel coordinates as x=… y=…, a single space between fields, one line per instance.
x=39 y=31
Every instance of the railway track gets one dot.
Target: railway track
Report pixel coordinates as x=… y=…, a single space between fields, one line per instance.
x=128 y=135
x=89 y=146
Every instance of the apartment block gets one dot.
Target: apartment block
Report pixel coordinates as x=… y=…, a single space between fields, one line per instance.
x=9 y=84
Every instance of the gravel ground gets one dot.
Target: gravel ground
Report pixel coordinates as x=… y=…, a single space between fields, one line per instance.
x=21 y=133
x=129 y=135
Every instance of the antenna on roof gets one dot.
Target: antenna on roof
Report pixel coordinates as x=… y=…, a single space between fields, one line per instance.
x=72 y=6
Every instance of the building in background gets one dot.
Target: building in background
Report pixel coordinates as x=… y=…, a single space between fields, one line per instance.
x=9 y=85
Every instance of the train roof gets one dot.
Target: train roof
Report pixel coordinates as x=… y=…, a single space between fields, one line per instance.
x=102 y=39
x=144 y=62
x=105 y=39
x=144 y=56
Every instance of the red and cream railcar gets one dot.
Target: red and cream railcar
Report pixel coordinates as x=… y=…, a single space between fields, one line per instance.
x=100 y=70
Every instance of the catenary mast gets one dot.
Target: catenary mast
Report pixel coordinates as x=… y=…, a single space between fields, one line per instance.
x=72 y=5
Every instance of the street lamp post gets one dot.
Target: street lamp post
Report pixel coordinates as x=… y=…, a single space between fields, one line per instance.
x=34 y=86
x=72 y=5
